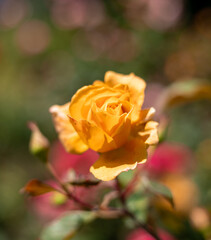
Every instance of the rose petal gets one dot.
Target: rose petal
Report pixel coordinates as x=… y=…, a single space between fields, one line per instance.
x=67 y=134
x=98 y=82
x=82 y=100
x=149 y=133
x=135 y=85
x=105 y=120
x=111 y=164
x=144 y=116
x=93 y=136
x=110 y=123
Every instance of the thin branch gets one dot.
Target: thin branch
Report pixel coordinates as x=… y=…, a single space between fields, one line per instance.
x=131 y=185
x=146 y=227
x=107 y=199
x=66 y=190
x=120 y=193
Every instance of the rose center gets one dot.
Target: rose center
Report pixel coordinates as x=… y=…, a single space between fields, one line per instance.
x=115 y=109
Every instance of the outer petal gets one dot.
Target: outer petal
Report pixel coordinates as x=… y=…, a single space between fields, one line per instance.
x=99 y=83
x=149 y=133
x=67 y=134
x=144 y=116
x=135 y=85
x=111 y=164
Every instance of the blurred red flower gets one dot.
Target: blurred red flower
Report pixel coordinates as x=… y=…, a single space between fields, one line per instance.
x=141 y=234
x=170 y=158
x=63 y=161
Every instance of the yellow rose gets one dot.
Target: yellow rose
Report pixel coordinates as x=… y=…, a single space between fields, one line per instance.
x=107 y=118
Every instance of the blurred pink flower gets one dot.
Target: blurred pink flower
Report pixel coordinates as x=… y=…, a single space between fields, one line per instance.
x=71 y=14
x=141 y=234
x=163 y=14
x=63 y=161
x=12 y=12
x=33 y=37
x=169 y=158
x=160 y=14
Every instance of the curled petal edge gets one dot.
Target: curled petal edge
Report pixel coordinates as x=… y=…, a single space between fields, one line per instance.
x=149 y=133
x=112 y=163
x=67 y=134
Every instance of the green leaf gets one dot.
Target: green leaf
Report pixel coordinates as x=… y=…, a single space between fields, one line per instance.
x=126 y=177
x=184 y=92
x=67 y=226
x=137 y=203
x=158 y=189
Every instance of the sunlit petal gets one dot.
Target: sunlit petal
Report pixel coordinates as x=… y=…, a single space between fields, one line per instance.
x=136 y=87
x=67 y=134
x=111 y=164
x=149 y=133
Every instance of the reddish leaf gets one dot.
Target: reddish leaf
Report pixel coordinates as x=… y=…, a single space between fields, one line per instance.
x=36 y=188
